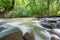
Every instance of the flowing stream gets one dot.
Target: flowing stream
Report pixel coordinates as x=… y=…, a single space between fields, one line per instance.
x=43 y=29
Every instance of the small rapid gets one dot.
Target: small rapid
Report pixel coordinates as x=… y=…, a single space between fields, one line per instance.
x=43 y=29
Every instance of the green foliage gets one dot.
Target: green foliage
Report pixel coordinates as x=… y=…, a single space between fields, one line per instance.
x=31 y=8
x=5 y=4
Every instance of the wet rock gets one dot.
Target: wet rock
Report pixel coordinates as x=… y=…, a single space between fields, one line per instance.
x=58 y=24
x=9 y=32
x=55 y=31
x=29 y=36
x=14 y=36
x=49 y=23
x=52 y=21
x=55 y=37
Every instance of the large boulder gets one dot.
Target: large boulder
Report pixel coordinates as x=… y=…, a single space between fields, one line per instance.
x=14 y=36
x=8 y=32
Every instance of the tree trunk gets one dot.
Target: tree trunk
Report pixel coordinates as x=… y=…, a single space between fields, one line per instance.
x=48 y=7
x=7 y=10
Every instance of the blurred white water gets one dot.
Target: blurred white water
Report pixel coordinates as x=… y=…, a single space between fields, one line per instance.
x=1 y=20
x=39 y=31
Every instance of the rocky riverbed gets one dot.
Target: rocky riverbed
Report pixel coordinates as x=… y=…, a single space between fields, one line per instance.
x=30 y=29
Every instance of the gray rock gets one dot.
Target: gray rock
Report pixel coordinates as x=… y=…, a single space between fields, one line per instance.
x=49 y=23
x=28 y=36
x=55 y=37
